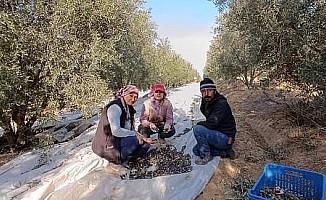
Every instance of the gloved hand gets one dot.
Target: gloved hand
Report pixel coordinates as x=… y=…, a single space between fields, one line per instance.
x=153 y=127
x=167 y=127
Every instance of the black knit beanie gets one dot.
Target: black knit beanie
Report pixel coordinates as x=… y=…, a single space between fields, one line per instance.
x=207 y=84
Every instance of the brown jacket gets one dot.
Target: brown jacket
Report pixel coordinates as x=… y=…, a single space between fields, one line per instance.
x=104 y=144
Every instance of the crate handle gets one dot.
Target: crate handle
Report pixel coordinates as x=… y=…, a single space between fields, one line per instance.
x=294 y=173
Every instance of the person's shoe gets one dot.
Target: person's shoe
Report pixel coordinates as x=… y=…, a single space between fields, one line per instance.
x=125 y=164
x=204 y=160
x=229 y=153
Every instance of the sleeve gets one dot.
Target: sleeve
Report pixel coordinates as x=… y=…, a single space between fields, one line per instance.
x=144 y=117
x=113 y=113
x=169 y=114
x=214 y=118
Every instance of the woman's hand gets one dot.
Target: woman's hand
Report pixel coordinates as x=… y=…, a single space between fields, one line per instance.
x=142 y=139
x=149 y=140
x=153 y=127
x=167 y=127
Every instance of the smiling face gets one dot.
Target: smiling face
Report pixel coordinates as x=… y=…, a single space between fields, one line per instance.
x=208 y=94
x=158 y=95
x=131 y=99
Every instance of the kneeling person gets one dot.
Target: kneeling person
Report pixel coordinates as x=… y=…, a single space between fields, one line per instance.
x=216 y=135
x=116 y=139
x=157 y=114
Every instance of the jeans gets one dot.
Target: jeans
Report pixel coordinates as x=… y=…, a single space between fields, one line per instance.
x=129 y=147
x=209 y=142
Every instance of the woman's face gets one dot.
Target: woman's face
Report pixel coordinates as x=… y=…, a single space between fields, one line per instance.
x=131 y=99
x=158 y=95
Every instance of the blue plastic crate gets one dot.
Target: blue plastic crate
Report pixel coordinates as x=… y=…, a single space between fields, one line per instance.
x=311 y=185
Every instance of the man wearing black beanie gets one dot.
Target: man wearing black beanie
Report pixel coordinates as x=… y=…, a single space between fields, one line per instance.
x=216 y=135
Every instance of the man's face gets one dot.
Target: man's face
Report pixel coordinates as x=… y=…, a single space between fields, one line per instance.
x=131 y=99
x=158 y=95
x=208 y=94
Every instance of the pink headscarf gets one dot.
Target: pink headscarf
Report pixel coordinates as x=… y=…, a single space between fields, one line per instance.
x=127 y=90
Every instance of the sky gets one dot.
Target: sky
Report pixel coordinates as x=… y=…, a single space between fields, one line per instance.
x=188 y=24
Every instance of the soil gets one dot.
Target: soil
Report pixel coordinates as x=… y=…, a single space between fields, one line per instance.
x=267 y=133
x=8 y=153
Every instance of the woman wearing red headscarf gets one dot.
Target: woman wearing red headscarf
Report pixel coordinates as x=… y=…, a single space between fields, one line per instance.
x=157 y=114
x=116 y=139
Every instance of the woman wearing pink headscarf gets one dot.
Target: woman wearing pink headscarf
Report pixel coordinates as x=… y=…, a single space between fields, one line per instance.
x=116 y=139
x=157 y=114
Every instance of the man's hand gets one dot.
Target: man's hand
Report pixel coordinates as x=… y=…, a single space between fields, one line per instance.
x=167 y=127
x=230 y=141
x=153 y=127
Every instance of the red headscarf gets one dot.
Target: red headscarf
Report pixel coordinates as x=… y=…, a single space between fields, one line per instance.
x=157 y=87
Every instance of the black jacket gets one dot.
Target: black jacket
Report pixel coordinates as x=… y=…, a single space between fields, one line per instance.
x=218 y=116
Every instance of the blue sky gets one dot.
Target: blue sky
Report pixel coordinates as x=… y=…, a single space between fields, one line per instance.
x=188 y=24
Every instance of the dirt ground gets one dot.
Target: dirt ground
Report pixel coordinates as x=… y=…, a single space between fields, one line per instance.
x=267 y=133
x=8 y=153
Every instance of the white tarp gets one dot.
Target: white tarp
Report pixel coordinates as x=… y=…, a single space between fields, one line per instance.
x=73 y=171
